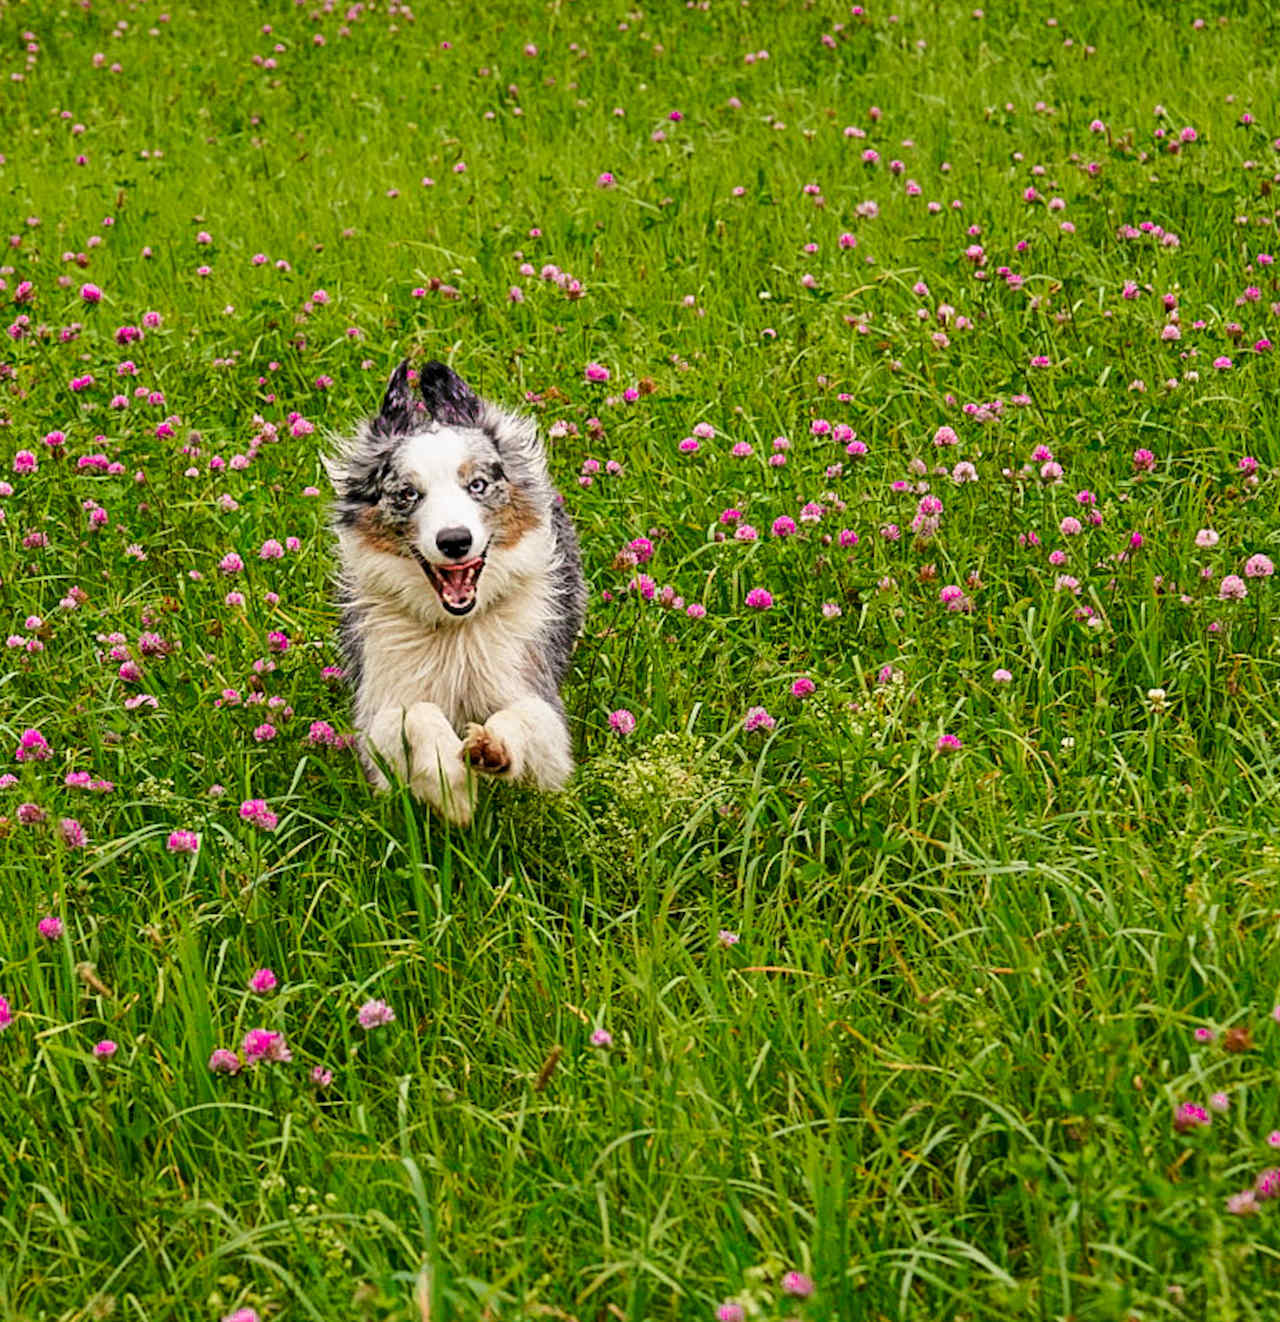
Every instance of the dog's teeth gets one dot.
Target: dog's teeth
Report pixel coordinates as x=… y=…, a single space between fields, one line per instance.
x=456 y=584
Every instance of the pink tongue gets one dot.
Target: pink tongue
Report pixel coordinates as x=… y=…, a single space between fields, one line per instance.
x=458 y=581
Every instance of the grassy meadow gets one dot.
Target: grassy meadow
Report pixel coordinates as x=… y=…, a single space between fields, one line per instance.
x=906 y=946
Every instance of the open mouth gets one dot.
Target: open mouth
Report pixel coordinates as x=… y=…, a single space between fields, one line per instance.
x=454 y=584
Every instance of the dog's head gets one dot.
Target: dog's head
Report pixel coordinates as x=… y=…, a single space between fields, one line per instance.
x=443 y=486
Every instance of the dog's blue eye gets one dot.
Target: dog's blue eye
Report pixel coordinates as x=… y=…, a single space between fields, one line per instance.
x=405 y=497
x=477 y=486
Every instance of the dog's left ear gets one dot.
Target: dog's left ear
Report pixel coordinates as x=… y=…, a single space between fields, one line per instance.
x=448 y=398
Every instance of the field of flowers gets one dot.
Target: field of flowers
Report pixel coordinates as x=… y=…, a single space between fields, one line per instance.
x=907 y=945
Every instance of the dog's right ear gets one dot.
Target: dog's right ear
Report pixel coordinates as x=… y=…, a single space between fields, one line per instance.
x=399 y=407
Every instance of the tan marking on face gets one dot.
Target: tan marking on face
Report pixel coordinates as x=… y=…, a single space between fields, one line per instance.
x=375 y=534
x=517 y=517
x=511 y=521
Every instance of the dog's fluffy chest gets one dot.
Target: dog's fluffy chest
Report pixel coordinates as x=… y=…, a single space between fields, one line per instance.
x=469 y=669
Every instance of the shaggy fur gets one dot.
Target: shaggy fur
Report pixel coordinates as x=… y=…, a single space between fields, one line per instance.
x=461 y=589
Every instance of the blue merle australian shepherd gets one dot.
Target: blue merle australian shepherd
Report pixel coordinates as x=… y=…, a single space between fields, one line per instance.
x=461 y=591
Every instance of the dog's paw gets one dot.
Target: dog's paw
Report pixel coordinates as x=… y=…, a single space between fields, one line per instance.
x=452 y=794
x=485 y=751
x=458 y=803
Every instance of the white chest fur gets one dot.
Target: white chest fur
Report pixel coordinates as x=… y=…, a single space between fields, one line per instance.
x=469 y=668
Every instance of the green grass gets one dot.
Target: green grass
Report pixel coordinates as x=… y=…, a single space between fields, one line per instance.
x=938 y=1071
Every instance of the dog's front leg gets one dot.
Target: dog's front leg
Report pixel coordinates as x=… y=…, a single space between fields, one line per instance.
x=528 y=740
x=422 y=747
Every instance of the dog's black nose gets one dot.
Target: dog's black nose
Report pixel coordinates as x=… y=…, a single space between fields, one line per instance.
x=454 y=542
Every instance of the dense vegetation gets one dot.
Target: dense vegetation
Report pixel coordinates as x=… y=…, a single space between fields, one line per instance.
x=907 y=947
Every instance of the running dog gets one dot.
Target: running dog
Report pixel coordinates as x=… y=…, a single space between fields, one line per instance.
x=461 y=592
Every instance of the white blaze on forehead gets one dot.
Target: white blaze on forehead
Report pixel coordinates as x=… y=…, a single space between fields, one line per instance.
x=432 y=459
x=432 y=462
